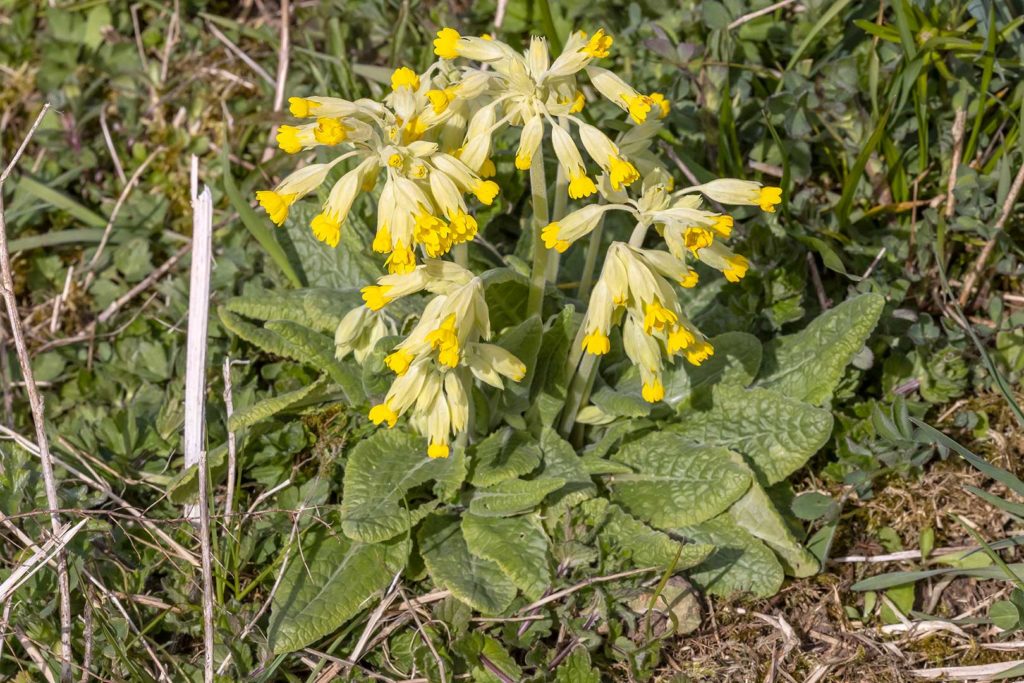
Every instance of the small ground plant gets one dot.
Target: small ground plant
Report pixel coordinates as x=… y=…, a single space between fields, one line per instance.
x=538 y=419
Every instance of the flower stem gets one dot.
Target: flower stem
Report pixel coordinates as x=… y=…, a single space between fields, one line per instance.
x=558 y=211
x=538 y=272
x=583 y=380
x=590 y=264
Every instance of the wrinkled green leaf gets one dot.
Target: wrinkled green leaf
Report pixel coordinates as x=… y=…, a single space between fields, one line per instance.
x=479 y=583
x=516 y=544
x=512 y=496
x=273 y=405
x=736 y=362
x=505 y=454
x=808 y=365
x=675 y=481
x=327 y=584
x=643 y=546
x=776 y=433
x=739 y=564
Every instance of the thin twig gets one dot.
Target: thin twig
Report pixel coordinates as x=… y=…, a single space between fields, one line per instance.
x=997 y=229
x=36 y=404
x=558 y=595
x=110 y=146
x=59 y=300
x=132 y=182
x=959 y=124
x=750 y=16
x=229 y=410
x=283 y=57
x=235 y=50
x=819 y=288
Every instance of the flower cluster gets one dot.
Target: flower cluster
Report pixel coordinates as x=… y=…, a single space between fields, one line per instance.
x=432 y=138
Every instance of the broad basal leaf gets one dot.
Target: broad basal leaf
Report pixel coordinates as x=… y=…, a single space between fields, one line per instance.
x=342 y=267
x=328 y=583
x=777 y=434
x=273 y=405
x=505 y=454
x=756 y=513
x=736 y=362
x=561 y=463
x=620 y=404
x=516 y=544
x=676 y=482
x=808 y=365
x=739 y=564
x=512 y=496
x=633 y=540
x=319 y=309
x=318 y=350
x=479 y=583
x=576 y=668
x=380 y=471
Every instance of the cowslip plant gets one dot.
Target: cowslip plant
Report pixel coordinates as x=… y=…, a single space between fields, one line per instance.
x=527 y=427
x=432 y=139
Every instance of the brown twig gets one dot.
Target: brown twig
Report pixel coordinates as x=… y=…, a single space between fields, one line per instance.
x=990 y=245
x=959 y=124
x=282 y=71
x=819 y=288
x=558 y=595
x=36 y=404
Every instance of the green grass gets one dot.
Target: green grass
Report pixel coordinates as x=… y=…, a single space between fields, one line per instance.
x=850 y=111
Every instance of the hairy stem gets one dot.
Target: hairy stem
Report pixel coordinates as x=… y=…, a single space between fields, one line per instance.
x=558 y=211
x=538 y=273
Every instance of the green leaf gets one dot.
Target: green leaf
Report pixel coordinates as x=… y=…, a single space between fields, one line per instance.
x=317 y=350
x=479 y=583
x=777 y=434
x=516 y=544
x=505 y=454
x=272 y=406
x=576 y=668
x=812 y=505
x=631 y=539
x=676 y=482
x=512 y=497
x=505 y=292
x=476 y=645
x=1005 y=615
x=328 y=583
x=264 y=339
x=343 y=267
x=740 y=563
x=319 y=309
x=562 y=463
x=381 y=469
x=523 y=341
x=258 y=226
x=60 y=201
x=620 y=404
x=756 y=513
x=808 y=365
x=736 y=362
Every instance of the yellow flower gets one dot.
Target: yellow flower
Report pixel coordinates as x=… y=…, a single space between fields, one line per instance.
x=689 y=281
x=488 y=169
x=486 y=191
x=578 y=102
x=580 y=185
x=301 y=108
x=276 y=205
x=382 y=412
x=402 y=259
x=769 y=197
x=382 y=240
x=699 y=352
x=638 y=106
x=659 y=100
x=679 y=339
x=376 y=296
x=696 y=238
x=622 y=172
x=288 y=139
x=399 y=361
x=438 y=450
x=596 y=343
x=653 y=391
x=723 y=225
x=737 y=267
x=326 y=229
x=551 y=240
x=404 y=77
x=599 y=44
x=440 y=99
x=658 y=318
x=330 y=131
x=445 y=341
x=445 y=44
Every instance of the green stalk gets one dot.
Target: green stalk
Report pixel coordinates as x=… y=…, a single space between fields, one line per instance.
x=558 y=212
x=583 y=380
x=538 y=273
x=590 y=264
